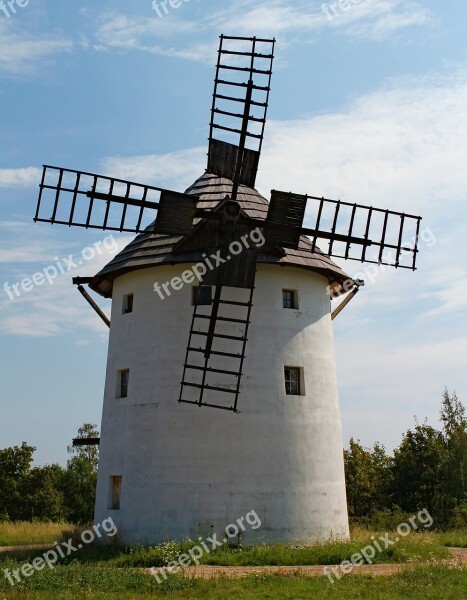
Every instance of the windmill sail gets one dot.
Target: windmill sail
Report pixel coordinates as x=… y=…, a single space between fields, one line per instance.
x=81 y=199
x=240 y=61
x=363 y=233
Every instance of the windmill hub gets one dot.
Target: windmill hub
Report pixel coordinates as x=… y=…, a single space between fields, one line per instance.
x=232 y=210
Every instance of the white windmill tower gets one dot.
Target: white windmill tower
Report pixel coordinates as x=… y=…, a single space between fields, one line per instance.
x=174 y=460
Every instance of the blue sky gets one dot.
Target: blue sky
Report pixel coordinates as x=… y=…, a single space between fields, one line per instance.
x=368 y=106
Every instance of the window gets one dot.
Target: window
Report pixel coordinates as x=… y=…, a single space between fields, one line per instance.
x=115 y=491
x=127 y=304
x=289 y=299
x=122 y=383
x=202 y=295
x=292 y=381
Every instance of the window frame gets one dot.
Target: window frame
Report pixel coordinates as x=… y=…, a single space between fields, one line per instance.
x=122 y=385
x=128 y=304
x=294 y=298
x=115 y=492
x=298 y=382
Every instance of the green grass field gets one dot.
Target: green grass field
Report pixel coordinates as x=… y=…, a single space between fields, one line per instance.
x=115 y=572
x=22 y=534
x=112 y=583
x=415 y=547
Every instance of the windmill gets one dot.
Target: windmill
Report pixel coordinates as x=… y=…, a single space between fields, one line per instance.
x=219 y=210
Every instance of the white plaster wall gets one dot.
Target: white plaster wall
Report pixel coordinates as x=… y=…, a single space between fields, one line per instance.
x=182 y=465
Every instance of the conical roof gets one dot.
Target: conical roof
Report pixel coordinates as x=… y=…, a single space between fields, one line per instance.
x=150 y=250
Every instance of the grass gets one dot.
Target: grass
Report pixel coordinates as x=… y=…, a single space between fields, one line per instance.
x=412 y=548
x=415 y=547
x=454 y=539
x=113 y=573
x=76 y=581
x=22 y=534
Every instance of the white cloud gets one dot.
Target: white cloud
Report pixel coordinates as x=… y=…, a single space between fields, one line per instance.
x=386 y=18
x=53 y=309
x=271 y=18
x=123 y=33
x=376 y=19
x=13 y=249
x=119 y=30
x=23 y=177
x=402 y=147
x=24 y=54
x=373 y=19
x=175 y=170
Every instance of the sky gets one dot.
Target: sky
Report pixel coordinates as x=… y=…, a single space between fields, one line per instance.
x=368 y=104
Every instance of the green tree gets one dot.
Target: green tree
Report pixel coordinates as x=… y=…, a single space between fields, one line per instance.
x=42 y=495
x=368 y=476
x=455 y=436
x=418 y=472
x=15 y=465
x=79 y=486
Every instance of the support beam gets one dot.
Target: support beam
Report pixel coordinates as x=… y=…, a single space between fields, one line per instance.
x=344 y=303
x=86 y=442
x=91 y=302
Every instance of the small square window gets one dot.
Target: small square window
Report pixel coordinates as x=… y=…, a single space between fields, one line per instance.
x=289 y=299
x=292 y=381
x=122 y=382
x=115 y=492
x=127 y=304
x=202 y=295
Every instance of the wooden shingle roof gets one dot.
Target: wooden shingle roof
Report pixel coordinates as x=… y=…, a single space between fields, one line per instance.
x=149 y=249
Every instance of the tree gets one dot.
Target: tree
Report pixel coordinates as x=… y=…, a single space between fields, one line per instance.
x=15 y=464
x=42 y=495
x=418 y=472
x=80 y=478
x=368 y=475
x=455 y=437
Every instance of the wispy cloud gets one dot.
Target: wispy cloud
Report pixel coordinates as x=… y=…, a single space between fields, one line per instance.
x=23 y=177
x=173 y=170
x=274 y=17
x=13 y=250
x=382 y=19
x=22 y=53
x=402 y=146
x=116 y=31
x=372 y=19
x=49 y=310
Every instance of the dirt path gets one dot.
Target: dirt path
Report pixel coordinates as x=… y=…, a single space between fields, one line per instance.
x=459 y=554
x=5 y=549
x=210 y=572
